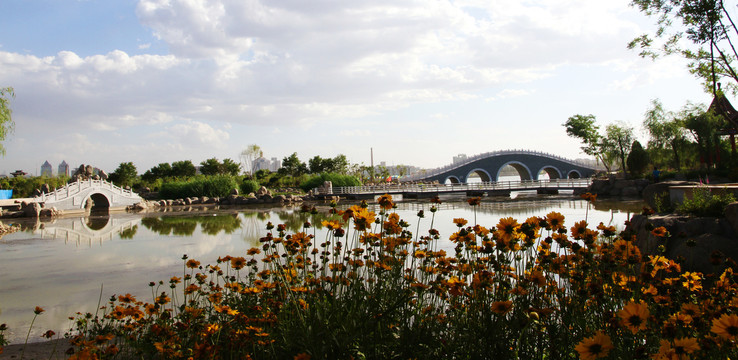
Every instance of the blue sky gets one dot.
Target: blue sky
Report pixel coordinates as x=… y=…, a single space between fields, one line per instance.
x=151 y=81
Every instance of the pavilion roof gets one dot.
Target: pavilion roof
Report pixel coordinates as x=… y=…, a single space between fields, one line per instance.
x=721 y=106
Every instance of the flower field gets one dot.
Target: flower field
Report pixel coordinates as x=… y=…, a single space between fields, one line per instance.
x=377 y=287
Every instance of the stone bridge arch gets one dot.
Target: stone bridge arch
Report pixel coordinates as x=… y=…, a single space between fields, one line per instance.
x=552 y=171
x=97 y=201
x=483 y=175
x=522 y=169
x=86 y=194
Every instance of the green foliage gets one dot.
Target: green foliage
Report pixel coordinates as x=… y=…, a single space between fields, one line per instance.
x=24 y=187
x=338 y=164
x=637 y=159
x=705 y=202
x=214 y=167
x=160 y=171
x=292 y=166
x=124 y=175
x=211 y=186
x=706 y=24
x=6 y=121
x=336 y=179
x=249 y=186
x=617 y=141
x=183 y=168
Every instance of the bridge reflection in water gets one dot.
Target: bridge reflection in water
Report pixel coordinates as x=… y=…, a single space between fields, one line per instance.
x=411 y=190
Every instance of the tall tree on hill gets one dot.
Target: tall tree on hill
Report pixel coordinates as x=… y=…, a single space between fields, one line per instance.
x=6 y=121
x=291 y=165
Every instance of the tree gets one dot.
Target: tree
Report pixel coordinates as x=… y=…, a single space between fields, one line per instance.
x=7 y=126
x=183 y=168
x=707 y=25
x=163 y=170
x=637 y=159
x=248 y=155
x=583 y=127
x=124 y=175
x=317 y=164
x=210 y=167
x=666 y=131
x=291 y=165
x=617 y=141
x=230 y=167
x=703 y=126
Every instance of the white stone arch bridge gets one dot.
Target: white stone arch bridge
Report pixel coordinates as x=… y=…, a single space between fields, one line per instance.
x=75 y=196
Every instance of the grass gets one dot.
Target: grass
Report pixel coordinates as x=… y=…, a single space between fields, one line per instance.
x=376 y=287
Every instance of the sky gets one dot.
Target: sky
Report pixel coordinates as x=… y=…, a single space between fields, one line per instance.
x=413 y=82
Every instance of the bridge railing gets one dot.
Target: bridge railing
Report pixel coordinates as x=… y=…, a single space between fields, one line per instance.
x=444 y=188
x=76 y=187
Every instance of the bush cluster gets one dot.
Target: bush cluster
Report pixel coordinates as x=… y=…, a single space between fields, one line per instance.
x=211 y=186
x=705 y=202
x=337 y=180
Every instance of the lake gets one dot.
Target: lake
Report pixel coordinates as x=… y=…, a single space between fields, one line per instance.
x=64 y=265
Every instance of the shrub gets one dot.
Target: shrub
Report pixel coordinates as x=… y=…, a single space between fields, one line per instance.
x=336 y=179
x=212 y=186
x=249 y=186
x=705 y=203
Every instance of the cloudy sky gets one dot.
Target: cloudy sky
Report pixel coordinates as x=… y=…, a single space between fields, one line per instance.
x=149 y=81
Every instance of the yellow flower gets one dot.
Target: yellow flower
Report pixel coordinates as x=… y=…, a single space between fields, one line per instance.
x=579 y=229
x=506 y=229
x=193 y=264
x=502 y=307
x=594 y=347
x=634 y=316
x=680 y=349
x=385 y=201
x=363 y=219
x=555 y=220
x=659 y=231
x=38 y=310
x=726 y=326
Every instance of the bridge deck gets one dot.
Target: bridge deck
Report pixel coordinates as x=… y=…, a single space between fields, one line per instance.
x=432 y=189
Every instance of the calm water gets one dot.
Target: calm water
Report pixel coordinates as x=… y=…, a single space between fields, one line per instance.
x=61 y=265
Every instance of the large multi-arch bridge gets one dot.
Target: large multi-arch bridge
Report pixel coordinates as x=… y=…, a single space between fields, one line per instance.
x=489 y=166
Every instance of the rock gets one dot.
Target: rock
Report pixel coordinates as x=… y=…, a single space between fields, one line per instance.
x=280 y=199
x=49 y=212
x=630 y=191
x=267 y=198
x=731 y=215
x=692 y=238
x=657 y=195
x=45 y=189
x=262 y=192
x=234 y=191
x=31 y=209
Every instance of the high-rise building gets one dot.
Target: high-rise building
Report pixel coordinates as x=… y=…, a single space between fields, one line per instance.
x=46 y=169
x=63 y=169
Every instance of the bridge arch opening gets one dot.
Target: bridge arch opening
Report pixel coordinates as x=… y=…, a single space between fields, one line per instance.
x=452 y=180
x=512 y=169
x=549 y=172
x=97 y=203
x=477 y=176
x=574 y=174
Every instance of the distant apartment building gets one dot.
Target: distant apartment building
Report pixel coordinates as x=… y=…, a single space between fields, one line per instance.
x=262 y=163
x=459 y=158
x=63 y=169
x=46 y=169
x=275 y=165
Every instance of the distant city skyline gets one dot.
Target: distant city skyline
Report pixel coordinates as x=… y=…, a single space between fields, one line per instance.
x=148 y=81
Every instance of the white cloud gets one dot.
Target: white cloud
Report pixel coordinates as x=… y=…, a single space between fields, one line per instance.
x=199 y=134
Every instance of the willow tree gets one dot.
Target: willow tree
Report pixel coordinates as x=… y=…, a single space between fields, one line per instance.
x=709 y=29
x=7 y=126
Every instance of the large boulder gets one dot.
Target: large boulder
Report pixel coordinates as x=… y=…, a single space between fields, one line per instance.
x=657 y=195
x=694 y=239
x=262 y=192
x=31 y=209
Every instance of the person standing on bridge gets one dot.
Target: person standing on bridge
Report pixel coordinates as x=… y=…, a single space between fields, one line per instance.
x=656 y=174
